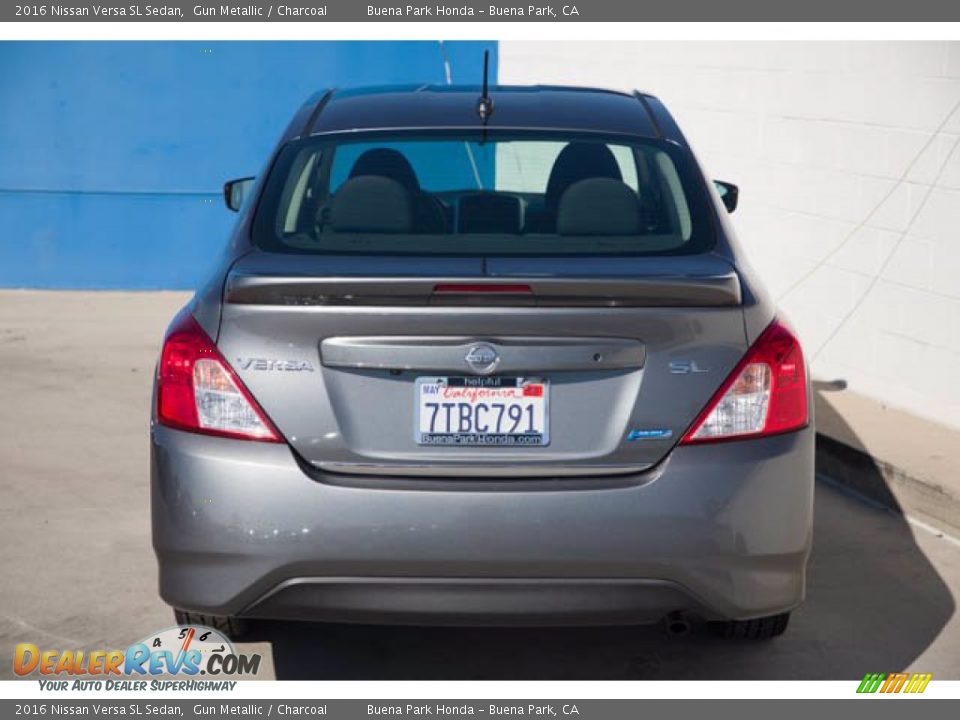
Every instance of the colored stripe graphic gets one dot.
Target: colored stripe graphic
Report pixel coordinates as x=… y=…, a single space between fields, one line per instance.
x=918 y=682
x=894 y=682
x=871 y=682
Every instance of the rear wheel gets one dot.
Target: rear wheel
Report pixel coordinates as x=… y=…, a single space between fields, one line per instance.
x=233 y=627
x=762 y=628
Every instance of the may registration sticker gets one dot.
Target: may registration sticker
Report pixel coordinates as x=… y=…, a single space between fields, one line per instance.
x=493 y=411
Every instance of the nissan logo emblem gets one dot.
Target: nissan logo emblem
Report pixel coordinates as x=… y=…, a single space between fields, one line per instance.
x=482 y=358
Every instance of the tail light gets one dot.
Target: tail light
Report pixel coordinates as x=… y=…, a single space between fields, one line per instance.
x=765 y=394
x=198 y=391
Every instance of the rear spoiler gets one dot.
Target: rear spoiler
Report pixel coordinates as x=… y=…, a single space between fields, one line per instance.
x=721 y=290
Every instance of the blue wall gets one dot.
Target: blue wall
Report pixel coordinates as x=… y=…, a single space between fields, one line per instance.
x=112 y=155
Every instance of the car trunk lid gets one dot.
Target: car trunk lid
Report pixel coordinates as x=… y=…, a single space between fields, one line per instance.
x=629 y=349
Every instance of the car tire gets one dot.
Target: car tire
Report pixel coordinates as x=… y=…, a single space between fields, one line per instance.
x=234 y=628
x=762 y=628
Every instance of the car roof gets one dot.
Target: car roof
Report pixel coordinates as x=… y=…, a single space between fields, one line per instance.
x=455 y=106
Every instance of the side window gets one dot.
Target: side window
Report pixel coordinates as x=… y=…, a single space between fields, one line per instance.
x=680 y=212
x=435 y=166
x=628 y=168
x=525 y=167
x=344 y=158
x=299 y=194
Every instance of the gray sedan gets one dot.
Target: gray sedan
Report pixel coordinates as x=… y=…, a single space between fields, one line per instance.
x=483 y=357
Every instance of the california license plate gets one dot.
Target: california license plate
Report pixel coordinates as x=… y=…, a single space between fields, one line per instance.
x=482 y=411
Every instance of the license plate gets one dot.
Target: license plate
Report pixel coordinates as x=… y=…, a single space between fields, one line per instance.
x=482 y=411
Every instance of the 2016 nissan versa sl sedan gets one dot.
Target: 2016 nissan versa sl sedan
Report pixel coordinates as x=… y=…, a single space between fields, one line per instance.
x=483 y=358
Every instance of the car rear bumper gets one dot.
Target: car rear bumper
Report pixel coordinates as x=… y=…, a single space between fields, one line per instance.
x=475 y=601
x=719 y=531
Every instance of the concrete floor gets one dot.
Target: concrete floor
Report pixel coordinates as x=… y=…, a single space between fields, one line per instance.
x=78 y=570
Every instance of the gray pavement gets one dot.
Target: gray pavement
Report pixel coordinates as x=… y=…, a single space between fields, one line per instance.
x=78 y=570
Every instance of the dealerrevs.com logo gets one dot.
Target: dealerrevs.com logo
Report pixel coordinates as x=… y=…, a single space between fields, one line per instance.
x=190 y=651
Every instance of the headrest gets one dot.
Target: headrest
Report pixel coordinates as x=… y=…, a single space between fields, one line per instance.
x=598 y=206
x=579 y=161
x=490 y=213
x=388 y=163
x=371 y=204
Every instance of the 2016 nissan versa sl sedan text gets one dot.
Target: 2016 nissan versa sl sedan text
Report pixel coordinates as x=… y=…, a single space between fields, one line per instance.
x=494 y=361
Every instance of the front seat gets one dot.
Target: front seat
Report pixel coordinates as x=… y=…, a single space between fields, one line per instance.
x=577 y=161
x=428 y=215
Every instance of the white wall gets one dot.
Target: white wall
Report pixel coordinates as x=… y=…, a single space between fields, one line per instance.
x=847 y=159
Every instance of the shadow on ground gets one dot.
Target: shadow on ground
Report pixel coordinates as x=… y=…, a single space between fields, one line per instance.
x=874 y=603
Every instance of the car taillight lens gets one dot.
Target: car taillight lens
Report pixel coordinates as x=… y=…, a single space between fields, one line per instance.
x=765 y=394
x=197 y=390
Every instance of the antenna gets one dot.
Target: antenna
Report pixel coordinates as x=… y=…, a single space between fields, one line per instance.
x=485 y=104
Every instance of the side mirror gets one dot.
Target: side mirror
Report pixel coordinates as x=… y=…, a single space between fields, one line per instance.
x=729 y=193
x=236 y=191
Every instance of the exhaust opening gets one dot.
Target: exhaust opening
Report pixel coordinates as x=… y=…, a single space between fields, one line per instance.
x=678 y=625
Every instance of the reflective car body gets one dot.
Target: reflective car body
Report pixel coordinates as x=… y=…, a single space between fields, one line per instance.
x=608 y=488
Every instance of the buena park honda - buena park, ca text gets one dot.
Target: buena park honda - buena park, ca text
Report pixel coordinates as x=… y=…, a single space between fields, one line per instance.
x=291 y=11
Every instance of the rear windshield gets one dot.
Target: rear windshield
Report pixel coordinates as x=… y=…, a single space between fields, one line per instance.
x=466 y=194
